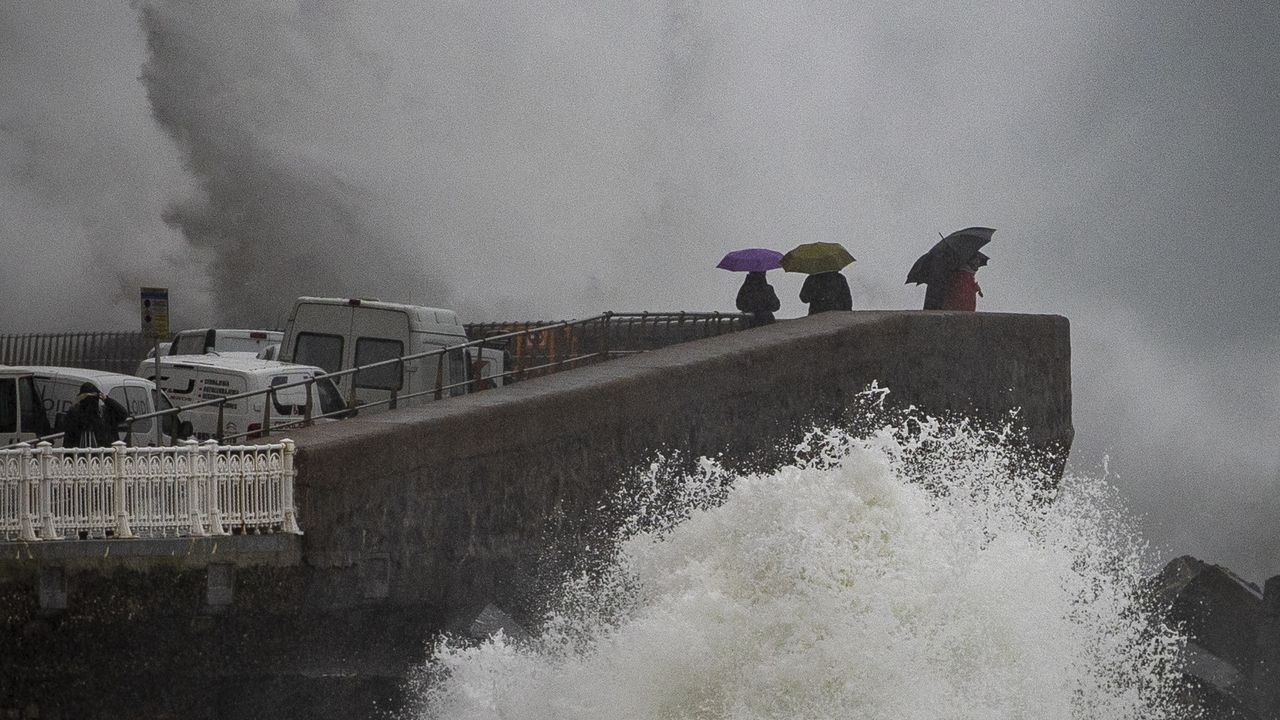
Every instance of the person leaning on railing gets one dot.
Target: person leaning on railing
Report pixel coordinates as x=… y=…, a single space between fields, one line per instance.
x=93 y=420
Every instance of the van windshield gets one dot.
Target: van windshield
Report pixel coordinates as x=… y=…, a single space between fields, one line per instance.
x=188 y=344
x=170 y=425
x=290 y=400
x=235 y=343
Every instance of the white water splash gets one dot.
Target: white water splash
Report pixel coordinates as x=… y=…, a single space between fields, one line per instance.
x=838 y=587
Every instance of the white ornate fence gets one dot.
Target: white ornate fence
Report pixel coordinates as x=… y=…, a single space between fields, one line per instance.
x=49 y=493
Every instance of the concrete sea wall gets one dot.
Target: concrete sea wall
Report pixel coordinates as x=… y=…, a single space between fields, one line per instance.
x=446 y=503
x=414 y=516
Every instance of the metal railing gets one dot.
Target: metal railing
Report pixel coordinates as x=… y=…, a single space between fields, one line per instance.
x=621 y=333
x=194 y=489
x=111 y=351
x=531 y=349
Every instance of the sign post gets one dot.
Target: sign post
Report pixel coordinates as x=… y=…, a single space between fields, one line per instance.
x=155 y=326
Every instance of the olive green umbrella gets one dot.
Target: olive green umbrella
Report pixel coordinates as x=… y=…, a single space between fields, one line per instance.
x=816 y=257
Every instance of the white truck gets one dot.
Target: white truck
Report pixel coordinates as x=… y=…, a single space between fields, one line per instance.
x=342 y=333
x=190 y=379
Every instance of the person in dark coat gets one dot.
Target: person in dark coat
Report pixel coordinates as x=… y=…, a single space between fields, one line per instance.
x=756 y=296
x=935 y=293
x=93 y=420
x=959 y=289
x=826 y=291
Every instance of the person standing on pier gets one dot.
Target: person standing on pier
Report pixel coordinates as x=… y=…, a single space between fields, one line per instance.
x=948 y=270
x=825 y=292
x=756 y=296
x=93 y=420
x=826 y=288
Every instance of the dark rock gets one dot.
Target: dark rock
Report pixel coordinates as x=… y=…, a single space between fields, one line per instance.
x=1266 y=672
x=481 y=623
x=1222 y=615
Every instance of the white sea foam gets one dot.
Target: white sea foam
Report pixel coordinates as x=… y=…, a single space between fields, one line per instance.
x=916 y=574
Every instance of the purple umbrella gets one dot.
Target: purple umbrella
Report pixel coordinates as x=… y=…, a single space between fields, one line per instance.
x=751 y=260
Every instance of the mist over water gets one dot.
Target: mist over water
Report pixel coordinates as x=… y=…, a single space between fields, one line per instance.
x=839 y=587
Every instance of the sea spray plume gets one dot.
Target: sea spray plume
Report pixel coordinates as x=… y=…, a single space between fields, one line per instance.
x=279 y=111
x=841 y=586
x=84 y=175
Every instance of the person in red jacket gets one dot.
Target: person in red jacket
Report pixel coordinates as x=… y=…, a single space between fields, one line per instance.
x=963 y=290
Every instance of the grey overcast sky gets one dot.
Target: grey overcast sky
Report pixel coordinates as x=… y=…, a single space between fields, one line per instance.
x=549 y=159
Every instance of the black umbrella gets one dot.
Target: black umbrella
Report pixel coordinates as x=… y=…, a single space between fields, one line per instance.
x=949 y=254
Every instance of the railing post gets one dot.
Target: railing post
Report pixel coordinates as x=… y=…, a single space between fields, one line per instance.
x=608 y=327
x=269 y=398
x=47 y=529
x=121 y=506
x=439 y=376
x=128 y=432
x=306 y=406
x=26 y=523
x=290 y=521
x=191 y=449
x=218 y=433
x=210 y=450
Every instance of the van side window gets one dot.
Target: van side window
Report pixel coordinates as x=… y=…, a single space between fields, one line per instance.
x=58 y=397
x=122 y=395
x=33 y=417
x=139 y=404
x=9 y=405
x=372 y=350
x=291 y=400
x=322 y=350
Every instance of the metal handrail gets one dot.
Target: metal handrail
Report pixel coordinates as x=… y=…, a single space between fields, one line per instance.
x=308 y=382
x=530 y=328
x=386 y=401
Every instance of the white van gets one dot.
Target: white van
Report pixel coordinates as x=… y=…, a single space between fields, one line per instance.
x=219 y=340
x=190 y=379
x=342 y=333
x=59 y=386
x=22 y=417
